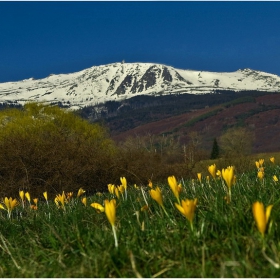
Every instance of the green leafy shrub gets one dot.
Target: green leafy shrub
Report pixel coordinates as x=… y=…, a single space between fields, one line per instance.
x=45 y=148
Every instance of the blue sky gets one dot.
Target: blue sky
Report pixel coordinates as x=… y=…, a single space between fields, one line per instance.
x=42 y=38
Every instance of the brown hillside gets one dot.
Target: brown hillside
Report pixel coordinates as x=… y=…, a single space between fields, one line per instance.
x=262 y=117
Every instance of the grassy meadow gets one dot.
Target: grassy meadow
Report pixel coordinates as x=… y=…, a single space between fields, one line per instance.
x=200 y=227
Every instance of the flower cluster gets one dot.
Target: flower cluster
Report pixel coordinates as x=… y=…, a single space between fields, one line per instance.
x=180 y=198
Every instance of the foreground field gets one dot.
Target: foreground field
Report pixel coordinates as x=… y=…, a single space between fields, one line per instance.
x=203 y=227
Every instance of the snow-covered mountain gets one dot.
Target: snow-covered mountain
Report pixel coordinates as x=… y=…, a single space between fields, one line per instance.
x=120 y=81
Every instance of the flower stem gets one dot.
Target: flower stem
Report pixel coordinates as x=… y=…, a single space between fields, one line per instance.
x=191 y=226
x=115 y=236
x=168 y=215
x=229 y=194
x=144 y=196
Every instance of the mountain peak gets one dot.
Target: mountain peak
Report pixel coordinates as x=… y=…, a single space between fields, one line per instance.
x=122 y=80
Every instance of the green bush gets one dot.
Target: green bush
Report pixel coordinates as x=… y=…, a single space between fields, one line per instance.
x=45 y=148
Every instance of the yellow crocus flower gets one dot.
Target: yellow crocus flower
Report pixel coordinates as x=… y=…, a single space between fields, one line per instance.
x=97 y=206
x=187 y=208
x=275 y=179
x=150 y=184
x=110 y=210
x=111 y=188
x=80 y=192
x=60 y=200
x=272 y=159
x=121 y=189
x=84 y=201
x=117 y=193
x=261 y=215
x=27 y=195
x=56 y=201
x=260 y=175
x=69 y=196
x=10 y=205
x=34 y=207
x=228 y=175
x=174 y=187
x=124 y=182
x=21 y=195
x=219 y=173
x=257 y=164
x=212 y=170
x=199 y=175
x=35 y=201
x=45 y=194
x=180 y=188
x=156 y=195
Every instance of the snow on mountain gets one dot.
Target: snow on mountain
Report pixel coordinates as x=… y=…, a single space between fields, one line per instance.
x=120 y=81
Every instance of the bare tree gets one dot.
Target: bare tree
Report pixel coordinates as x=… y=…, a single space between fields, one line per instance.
x=236 y=141
x=191 y=149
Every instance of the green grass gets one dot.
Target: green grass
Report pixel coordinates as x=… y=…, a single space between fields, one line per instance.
x=78 y=242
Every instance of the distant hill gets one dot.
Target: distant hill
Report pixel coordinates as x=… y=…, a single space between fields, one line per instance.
x=259 y=112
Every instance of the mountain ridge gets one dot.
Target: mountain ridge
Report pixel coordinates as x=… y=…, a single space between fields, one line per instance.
x=120 y=81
